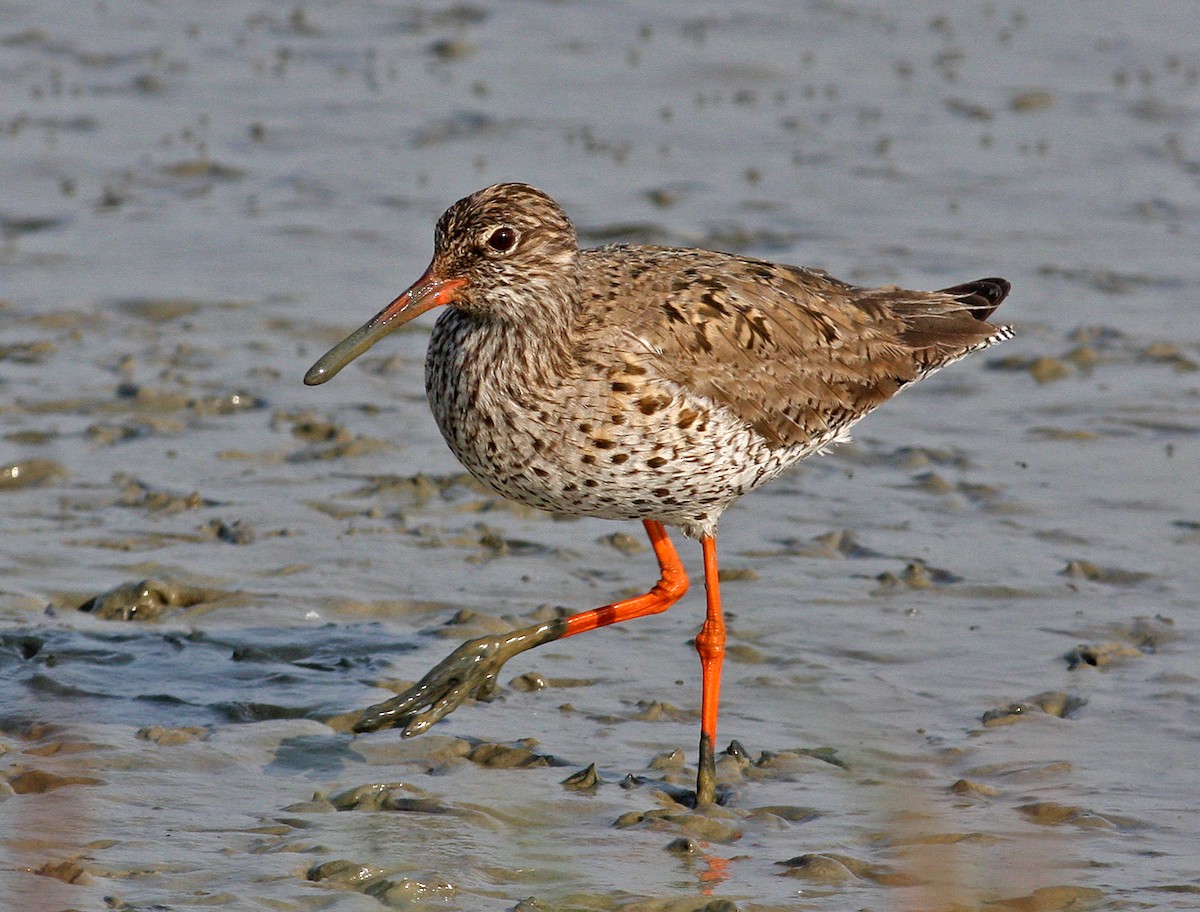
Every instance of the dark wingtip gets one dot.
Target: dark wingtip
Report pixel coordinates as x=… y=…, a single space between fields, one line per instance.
x=982 y=296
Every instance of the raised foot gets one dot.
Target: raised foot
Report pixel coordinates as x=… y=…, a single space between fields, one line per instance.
x=469 y=671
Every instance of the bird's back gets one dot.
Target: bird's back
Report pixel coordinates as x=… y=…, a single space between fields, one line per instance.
x=795 y=353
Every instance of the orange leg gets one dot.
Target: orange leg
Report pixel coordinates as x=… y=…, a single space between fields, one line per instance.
x=669 y=589
x=710 y=643
x=472 y=668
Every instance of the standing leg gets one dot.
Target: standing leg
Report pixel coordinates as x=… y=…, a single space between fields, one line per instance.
x=710 y=643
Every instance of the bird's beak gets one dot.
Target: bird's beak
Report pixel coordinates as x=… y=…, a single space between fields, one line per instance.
x=427 y=292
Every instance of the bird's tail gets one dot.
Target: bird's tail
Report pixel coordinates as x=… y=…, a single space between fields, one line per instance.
x=980 y=297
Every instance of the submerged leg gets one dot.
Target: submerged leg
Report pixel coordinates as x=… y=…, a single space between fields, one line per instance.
x=472 y=668
x=710 y=643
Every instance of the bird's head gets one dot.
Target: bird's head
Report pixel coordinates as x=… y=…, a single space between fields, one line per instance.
x=501 y=253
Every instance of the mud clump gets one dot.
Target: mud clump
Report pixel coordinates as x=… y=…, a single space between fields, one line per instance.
x=146 y=600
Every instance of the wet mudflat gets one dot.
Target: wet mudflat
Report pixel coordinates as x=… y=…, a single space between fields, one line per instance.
x=962 y=669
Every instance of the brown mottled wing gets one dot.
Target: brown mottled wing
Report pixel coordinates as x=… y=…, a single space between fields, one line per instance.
x=795 y=353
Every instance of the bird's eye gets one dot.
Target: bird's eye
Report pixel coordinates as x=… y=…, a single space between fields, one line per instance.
x=502 y=240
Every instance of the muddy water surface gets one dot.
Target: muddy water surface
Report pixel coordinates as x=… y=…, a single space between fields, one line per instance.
x=963 y=666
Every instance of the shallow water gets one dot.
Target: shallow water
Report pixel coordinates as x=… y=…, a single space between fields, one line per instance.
x=200 y=198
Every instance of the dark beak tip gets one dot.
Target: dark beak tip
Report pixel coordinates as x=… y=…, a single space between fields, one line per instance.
x=316 y=376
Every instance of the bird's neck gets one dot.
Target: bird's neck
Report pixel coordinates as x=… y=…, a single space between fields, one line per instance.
x=528 y=341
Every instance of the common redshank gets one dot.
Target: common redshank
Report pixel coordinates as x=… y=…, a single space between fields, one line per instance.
x=651 y=383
